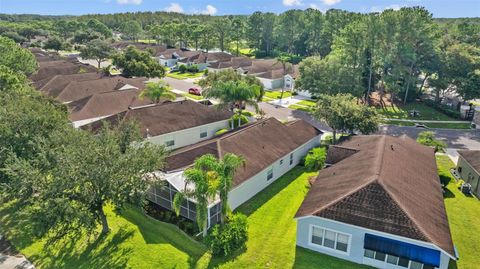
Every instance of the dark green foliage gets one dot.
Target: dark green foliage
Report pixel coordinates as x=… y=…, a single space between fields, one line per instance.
x=182 y=68
x=224 y=240
x=55 y=43
x=16 y=58
x=192 y=68
x=315 y=158
x=134 y=62
x=447 y=110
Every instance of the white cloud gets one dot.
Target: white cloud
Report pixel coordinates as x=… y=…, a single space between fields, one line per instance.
x=127 y=2
x=289 y=3
x=331 y=2
x=209 y=10
x=174 y=7
x=380 y=9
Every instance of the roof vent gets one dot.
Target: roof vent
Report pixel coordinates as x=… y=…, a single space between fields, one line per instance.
x=391 y=146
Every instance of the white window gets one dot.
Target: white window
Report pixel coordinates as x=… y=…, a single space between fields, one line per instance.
x=330 y=239
x=170 y=143
x=392 y=259
x=415 y=265
x=270 y=174
x=203 y=134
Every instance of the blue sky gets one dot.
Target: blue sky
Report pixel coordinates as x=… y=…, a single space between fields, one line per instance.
x=439 y=8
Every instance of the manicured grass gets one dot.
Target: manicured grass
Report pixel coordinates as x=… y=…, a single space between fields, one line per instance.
x=303 y=108
x=402 y=112
x=266 y=99
x=185 y=75
x=465 y=125
x=307 y=103
x=137 y=241
x=277 y=94
x=463 y=215
x=193 y=96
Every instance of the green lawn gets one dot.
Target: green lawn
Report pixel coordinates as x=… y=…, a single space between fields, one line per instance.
x=465 y=125
x=185 y=75
x=276 y=94
x=463 y=215
x=307 y=103
x=303 y=108
x=402 y=112
x=193 y=96
x=137 y=241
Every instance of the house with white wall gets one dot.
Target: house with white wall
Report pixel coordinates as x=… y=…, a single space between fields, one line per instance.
x=269 y=147
x=173 y=124
x=379 y=203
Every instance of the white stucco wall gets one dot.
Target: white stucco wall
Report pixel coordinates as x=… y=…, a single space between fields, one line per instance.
x=255 y=184
x=189 y=136
x=356 y=245
x=167 y=62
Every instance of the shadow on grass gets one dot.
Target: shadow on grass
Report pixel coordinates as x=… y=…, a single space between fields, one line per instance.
x=269 y=192
x=15 y=225
x=156 y=232
x=103 y=253
x=305 y=258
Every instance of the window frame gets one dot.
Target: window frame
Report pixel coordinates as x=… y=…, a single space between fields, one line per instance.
x=204 y=132
x=167 y=143
x=270 y=174
x=291 y=158
x=334 y=249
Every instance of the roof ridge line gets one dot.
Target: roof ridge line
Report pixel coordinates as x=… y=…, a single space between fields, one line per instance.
x=394 y=197
x=245 y=128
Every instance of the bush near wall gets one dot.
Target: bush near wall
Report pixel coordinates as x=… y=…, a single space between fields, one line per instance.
x=224 y=240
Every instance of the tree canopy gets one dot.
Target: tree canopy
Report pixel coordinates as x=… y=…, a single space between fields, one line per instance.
x=134 y=62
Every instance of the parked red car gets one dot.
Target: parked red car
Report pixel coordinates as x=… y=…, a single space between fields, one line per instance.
x=195 y=91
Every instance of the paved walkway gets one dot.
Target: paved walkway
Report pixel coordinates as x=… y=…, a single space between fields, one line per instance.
x=431 y=121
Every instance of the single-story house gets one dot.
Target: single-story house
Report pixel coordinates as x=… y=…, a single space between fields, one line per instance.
x=53 y=85
x=468 y=166
x=205 y=59
x=173 y=124
x=76 y=90
x=170 y=57
x=102 y=105
x=234 y=63
x=48 y=69
x=379 y=203
x=269 y=147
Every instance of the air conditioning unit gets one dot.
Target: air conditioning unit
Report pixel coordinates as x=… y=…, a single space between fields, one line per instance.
x=466 y=188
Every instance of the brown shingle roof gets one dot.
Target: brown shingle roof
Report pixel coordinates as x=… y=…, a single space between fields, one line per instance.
x=261 y=144
x=390 y=185
x=168 y=117
x=105 y=104
x=76 y=90
x=472 y=157
x=49 y=69
x=54 y=85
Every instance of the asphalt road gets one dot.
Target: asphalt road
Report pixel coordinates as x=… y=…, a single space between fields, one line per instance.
x=457 y=139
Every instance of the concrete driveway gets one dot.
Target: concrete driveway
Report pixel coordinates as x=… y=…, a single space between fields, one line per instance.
x=182 y=85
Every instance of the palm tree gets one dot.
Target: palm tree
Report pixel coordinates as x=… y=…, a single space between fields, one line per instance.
x=227 y=166
x=284 y=60
x=234 y=95
x=155 y=91
x=204 y=177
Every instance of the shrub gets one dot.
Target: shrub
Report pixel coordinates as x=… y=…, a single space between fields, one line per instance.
x=205 y=72
x=224 y=240
x=427 y=138
x=192 y=68
x=447 y=110
x=221 y=131
x=247 y=113
x=315 y=158
x=182 y=68
x=243 y=120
